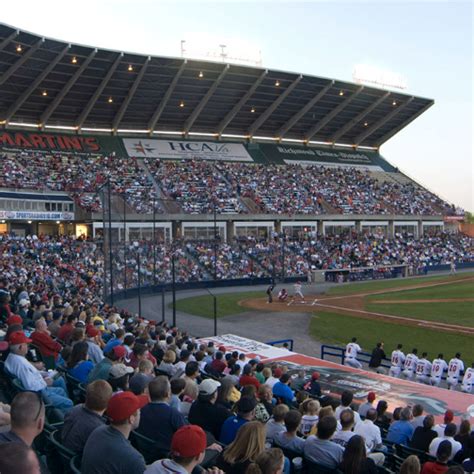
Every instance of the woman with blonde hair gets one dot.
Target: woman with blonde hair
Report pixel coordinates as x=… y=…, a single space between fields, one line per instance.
x=411 y=465
x=243 y=451
x=167 y=364
x=270 y=461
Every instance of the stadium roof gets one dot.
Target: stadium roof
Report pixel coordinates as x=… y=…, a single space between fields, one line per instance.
x=52 y=84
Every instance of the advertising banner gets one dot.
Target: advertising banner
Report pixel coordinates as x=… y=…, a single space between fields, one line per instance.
x=185 y=150
x=37 y=216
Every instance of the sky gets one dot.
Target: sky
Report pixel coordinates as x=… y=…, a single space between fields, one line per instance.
x=428 y=43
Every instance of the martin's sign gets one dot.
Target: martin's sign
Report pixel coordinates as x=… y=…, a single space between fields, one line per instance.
x=30 y=141
x=179 y=150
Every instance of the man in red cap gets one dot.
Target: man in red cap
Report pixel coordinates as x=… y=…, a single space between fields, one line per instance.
x=15 y=319
x=448 y=418
x=365 y=407
x=93 y=341
x=102 y=370
x=31 y=378
x=271 y=381
x=107 y=450
x=188 y=446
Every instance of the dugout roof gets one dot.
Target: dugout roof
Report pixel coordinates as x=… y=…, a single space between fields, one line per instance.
x=52 y=83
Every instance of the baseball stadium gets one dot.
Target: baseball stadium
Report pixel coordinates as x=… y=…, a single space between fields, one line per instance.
x=211 y=267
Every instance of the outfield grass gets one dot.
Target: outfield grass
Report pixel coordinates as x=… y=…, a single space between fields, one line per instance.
x=227 y=304
x=338 y=329
x=458 y=290
x=392 y=283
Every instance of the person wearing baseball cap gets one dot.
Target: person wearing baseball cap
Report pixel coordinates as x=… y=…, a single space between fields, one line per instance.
x=93 y=341
x=14 y=319
x=107 y=448
x=205 y=412
x=365 y=407
x=31 y=378
x=102 y=370
x=245 y=413
x=188 y=446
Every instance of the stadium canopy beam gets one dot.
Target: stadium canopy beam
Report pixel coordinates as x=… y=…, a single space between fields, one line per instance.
x=235 y=110
x=7 y=40
x=195 y=114
x=343 y=130
x=39 y=79
x=392 y=132
x=21 y=61
x=264 y=116
x=87 y=110
x=67 y=87
x=366 y=133
x=156 y=116
x=327 y=118
x=123 y=108
x=297 y=117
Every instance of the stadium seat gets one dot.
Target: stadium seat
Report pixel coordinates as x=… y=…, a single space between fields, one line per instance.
x=395 y=462
x=311 y=467
x=147 y=447
x=65 y=455
x=405 y=451
x=75 y=388
x=75 y=465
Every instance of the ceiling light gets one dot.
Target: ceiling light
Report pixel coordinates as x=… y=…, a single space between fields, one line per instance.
x=57 y=222
x=44 y=93
x=29 y=222
x=277 y=83
x=341 y=92
x=74 y=60
x=252 y=110
x=19 y=49
x=181 y=104
x=130 y=68
x=394 y=103
x=201 y=74
x=110 y=100
x=366 y=124
x=3 y=221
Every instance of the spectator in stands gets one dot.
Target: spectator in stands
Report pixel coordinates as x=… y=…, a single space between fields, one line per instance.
x=102 y=370
x=342 y=436
x=320 y=449
x=264 y=408
x=346 y=399
x=248 y=378
x=383 y=418
x=271 y=381
x=55 y=325
x=78 y=364
x=18 y=458
x=354 y=458
x=159 y=421
x=313 y=387
x=64 y=333
x=245 y=413
x=177 y=389
x=249 y=442
x=27 y=415
x=270 y=461
x=83 y=419
x=93 y=342
x=418 y=416
x=218 y=365
x=400 y=432
x=124 y=412
x=448 y=418
x=440 y=466
x=449 y=433
x=188 y=447
x=465 y=437
x=167 y=364
x=276 y=424
x=190 y=376
x=283 y=391
x=116 y=340
x=365 y=407
x=227 y=394
x=42 y=339
x=423 y=435
x=411 y=465
x=310 y=410
x=30 y=376
x=289 y=439
x=139 y=381
x=205 y=412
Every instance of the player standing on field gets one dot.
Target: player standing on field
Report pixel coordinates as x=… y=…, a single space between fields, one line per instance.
x=352 y=349
x=423 y=369
x=298 y=292
x=397 y=360
x=410 y=364
x=455 y=367
x=438 y=367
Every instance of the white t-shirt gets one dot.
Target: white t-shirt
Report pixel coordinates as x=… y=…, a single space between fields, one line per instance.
x=398 y=358
x=410 y=362
x=468 y=378
x=454 y=368
x=438 y=367
x=352 y=349
x=423 y=367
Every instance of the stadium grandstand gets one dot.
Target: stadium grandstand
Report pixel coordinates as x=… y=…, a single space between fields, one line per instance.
x=120 y=172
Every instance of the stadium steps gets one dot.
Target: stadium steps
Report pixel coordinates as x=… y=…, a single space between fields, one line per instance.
x=328 y=209
x=117 y=203
x=250 y=204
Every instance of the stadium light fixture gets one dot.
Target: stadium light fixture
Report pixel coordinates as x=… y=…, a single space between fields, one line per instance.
x=252 y=110
x=60 y=127
x=277 y=83
x=21 y=124
x=18 y=48
x=165 y=132
x=3 y=221
x=202 y=134
x=74 y=60
x=201 y=74
x=87 y=129
x=270 y=139
x=293 y=140
x=58 y=222
x=130 y=68
x=123 y=130
x=341 y=93
x=232 y=135
x=181 y=104
x=44 y=93
x=110 y=100
x=394 y=103
x=366 y=124
x=29 y=222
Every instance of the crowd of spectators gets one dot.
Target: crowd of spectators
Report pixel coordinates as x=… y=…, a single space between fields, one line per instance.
x=202 y=187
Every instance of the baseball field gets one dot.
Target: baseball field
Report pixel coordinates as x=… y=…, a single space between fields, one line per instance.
x=434 y=314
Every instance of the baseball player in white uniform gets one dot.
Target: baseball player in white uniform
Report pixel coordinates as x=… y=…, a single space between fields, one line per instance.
x=423 y=369
x=468 y=379
x=438 y=367
x=298 y=292
x=397 y=360
x=410 y=364
x=455 y=367
x=352 y=349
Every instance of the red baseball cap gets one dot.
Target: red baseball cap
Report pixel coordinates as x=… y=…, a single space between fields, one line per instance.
x=189 y=441
x=18 y=337
x=119 y=351
x=448 y=416
x=14 y=319
x=124 y=404
x=277 y=373
x=371 y=396
x=315 y=376
x=92 y=331
x=222 y=348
